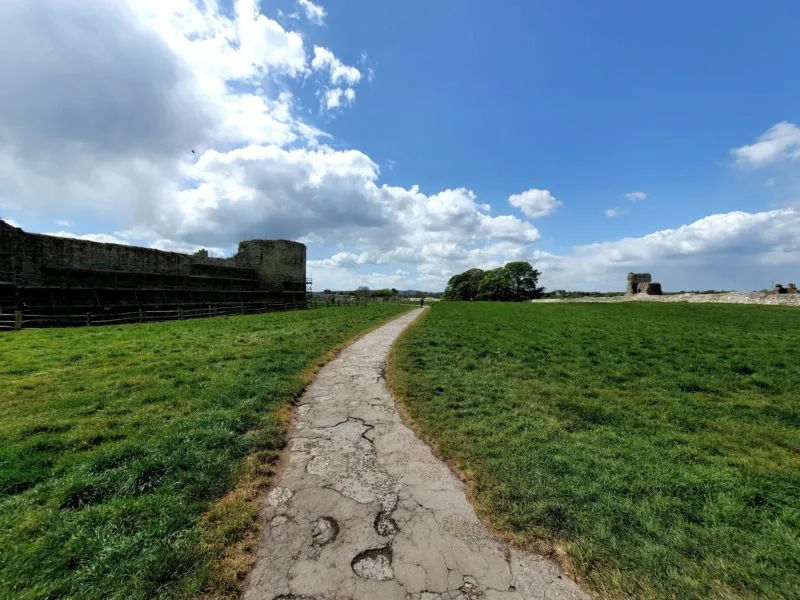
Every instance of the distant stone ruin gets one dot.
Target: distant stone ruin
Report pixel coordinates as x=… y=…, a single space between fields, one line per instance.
x=641 y=283
x=789 y=289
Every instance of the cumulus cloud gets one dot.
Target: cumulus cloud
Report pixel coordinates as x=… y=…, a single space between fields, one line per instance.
x=336 y=97
x=535 y=203
x=220 y=84
x=636 y=196
x=116 y=141
x=341 y=77
x=184 y=248
x=314 y=12
x=780 y=142
x=325 y=60
x=615 y=212
x=735 y=250
x=90 y=237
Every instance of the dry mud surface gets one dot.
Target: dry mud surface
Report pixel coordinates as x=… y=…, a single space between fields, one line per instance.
x=728 y=298
x=363 y=509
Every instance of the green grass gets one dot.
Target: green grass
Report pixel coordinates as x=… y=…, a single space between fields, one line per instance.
x=118 y=443
x=655 y=447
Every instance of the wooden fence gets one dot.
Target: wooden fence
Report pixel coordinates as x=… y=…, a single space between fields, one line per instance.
x=26 y=320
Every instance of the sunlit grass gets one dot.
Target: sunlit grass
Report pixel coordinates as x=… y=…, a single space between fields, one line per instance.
x=657 y=446
x=117 y=444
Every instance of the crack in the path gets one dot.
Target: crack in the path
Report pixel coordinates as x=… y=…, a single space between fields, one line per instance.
x=398 y=524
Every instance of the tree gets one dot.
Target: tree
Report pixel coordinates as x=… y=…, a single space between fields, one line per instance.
x=497 y=284
x=362 y=290
x=464 y=286
x=515 y=281
x=524 y=278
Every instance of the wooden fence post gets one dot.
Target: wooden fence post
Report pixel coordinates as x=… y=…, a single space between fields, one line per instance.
x=180 y=314
x=17 y=319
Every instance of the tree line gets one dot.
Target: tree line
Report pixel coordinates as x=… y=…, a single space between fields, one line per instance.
x=363 y=291
x=514 y=282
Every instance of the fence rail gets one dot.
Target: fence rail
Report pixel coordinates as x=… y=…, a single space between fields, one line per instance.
x=27 y=320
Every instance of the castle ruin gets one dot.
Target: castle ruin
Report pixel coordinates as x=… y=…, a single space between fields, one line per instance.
x=47 y=275
x=641 y=283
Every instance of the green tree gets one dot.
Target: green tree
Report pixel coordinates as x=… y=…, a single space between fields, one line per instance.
x=464 y=286
x=497 y=284
x=384 y=293
x=515 y=281
x=523 y=280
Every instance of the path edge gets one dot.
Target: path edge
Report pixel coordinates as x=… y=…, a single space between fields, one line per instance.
x=552 y=551
x=254 y=488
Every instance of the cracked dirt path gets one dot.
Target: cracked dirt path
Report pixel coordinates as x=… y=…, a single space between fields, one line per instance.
x=364 y=510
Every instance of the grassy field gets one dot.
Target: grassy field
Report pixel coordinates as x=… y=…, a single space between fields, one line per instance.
x=654 y=447
x=130 y=456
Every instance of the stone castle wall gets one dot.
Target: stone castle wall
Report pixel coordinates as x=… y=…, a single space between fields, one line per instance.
x=637 y=282
x=33 y=266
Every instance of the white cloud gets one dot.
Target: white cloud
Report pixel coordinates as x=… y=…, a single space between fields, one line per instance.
x=615 y=212
x=62 y=223
x=736 y=250
x=311 y=239
x=346 y=259
x=779 y=142
x=12 y=222
x=337 y=97
x=90 y=237
x=173 y=246
x=314 y=13
x=636 y=196
x=535 y=203
x=116 y=142
x=325 y=60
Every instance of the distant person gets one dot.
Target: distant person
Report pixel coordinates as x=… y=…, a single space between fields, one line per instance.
x=421 y=302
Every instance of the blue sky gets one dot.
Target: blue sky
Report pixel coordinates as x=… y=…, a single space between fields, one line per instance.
x=314 y=121
x=588 y=100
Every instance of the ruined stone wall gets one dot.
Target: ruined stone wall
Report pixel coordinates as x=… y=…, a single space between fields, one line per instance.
x=28 y=254
x=635 y=280
x=41 y=271
x=276 y=263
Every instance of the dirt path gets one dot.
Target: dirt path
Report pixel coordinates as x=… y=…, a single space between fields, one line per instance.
x=363 y=509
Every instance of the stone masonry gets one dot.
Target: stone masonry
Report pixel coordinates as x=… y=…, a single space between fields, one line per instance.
x=53 y=274
x=641 y=283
